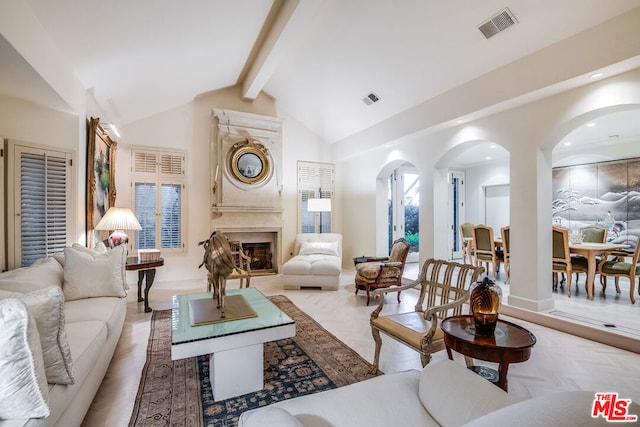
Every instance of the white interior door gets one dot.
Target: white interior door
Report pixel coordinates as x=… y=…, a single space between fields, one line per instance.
x=404 y=199
x=456 y=212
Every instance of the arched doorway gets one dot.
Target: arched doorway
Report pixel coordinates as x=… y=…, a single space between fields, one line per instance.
x=403 y=202
x=477 y=178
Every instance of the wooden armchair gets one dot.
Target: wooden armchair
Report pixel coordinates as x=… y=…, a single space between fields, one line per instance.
x=617 y=268
x=485 y=249
x=466 y=234
x=445 y=285
x=383 y=272
x=562 y=261
x=590 y=234
x=242 y=270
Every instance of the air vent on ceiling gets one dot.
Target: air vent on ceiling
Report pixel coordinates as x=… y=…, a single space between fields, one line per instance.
x=498 y=23
x=371 y=99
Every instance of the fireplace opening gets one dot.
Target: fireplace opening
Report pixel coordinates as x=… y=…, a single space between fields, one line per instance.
x=261 y=257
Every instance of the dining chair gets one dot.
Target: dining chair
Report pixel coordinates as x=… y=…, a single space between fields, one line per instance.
x=505 y=232
x=618 y=268
x=562 y=261
x=591 y=234
x=466 y=234
x=485 y=249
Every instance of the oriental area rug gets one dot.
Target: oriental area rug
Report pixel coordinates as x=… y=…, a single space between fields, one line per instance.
x=178 y=393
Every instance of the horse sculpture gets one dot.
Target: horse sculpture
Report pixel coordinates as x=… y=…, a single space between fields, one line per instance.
x=219 y=263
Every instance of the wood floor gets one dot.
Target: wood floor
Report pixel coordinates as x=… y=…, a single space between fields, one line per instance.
x=559 y=361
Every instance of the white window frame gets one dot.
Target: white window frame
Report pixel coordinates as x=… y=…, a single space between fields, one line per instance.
x=159 y=172
x=315 y=180
x=14 y=187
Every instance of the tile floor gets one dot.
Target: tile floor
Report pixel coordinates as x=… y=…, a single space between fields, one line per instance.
x=559 y=361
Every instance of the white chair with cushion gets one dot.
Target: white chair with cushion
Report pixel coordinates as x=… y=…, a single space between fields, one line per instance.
x=317 y=263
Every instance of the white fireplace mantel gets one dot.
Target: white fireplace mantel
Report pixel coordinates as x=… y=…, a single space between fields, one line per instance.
x=244 y=208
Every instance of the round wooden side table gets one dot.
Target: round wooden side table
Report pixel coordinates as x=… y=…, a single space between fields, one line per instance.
x=510 y=344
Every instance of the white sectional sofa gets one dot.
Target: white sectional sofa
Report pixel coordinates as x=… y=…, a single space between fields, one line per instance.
x=317 y=262
x=444 y=393
x=83 y=292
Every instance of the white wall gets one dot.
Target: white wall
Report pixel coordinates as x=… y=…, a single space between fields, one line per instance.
x=529 y=133
x=189 y=127
x=476 y=180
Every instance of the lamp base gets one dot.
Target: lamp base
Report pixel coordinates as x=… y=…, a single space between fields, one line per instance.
x=118 y=237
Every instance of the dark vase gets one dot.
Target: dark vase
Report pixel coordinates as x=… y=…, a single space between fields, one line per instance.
x=484 y=304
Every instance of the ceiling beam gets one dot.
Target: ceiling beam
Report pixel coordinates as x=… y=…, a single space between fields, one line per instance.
x=282 y=31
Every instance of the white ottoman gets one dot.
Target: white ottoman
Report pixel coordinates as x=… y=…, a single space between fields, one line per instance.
x=318 y=262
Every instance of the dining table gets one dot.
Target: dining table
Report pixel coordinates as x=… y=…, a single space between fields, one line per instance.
x=590 y=251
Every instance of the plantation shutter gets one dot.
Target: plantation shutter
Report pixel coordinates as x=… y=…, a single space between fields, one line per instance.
x=315 y=180
x=41 y=203
x=158 y=191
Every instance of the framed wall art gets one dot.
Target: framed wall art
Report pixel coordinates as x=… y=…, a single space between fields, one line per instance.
x=101 y=190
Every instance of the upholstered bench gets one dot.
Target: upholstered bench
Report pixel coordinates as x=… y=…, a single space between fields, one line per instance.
x=317 y=263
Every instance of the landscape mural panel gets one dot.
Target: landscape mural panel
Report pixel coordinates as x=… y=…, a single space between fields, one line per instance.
x=605 y=193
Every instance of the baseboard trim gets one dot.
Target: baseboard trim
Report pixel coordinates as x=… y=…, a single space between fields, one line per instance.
x=600 y=335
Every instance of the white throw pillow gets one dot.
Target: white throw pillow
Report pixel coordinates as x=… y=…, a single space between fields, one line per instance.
x=88 y=273
x=321 y=248
x=43 y=273
x=47 y=307
x=268 y=417
x=455 y=395
x=23 y=384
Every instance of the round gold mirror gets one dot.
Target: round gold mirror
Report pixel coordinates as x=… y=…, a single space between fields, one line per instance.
x=249 y=162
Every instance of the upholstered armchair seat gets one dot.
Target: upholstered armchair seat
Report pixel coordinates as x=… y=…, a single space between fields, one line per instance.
x=373 y=271
x=410 y=328
x=617 y=268
x=383 y=272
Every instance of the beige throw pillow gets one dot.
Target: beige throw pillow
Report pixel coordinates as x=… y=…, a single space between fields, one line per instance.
x=88 y=273
x=43 y=273
x=23 y=384
x=47 y=307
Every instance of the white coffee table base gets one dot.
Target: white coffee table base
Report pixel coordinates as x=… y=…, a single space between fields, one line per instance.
x=236 y=371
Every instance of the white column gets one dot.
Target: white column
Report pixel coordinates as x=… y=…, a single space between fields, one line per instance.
x=530 y=204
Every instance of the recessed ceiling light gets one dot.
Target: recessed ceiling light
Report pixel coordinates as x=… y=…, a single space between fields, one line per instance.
x=567 y=143
x=596 y=75
x=488 y=158
x=492 y=146
x=591 y=125
x=459 y=121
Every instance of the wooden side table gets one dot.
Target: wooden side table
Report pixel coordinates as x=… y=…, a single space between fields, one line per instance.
x=146 y=270
x=510 y=344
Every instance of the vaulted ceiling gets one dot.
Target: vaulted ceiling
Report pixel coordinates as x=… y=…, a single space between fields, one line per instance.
x=317 y=58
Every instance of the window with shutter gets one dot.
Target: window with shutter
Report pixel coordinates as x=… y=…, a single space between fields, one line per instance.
x=158 y=192
x=41 y=202
x=315 y=180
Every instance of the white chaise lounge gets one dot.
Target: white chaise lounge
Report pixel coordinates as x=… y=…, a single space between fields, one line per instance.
x=317 y=263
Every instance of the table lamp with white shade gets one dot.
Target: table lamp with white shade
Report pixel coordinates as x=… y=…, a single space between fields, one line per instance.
x=319 y=205
x=118 y=220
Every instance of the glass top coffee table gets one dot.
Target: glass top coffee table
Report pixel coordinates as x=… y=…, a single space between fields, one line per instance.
x=235 y=346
